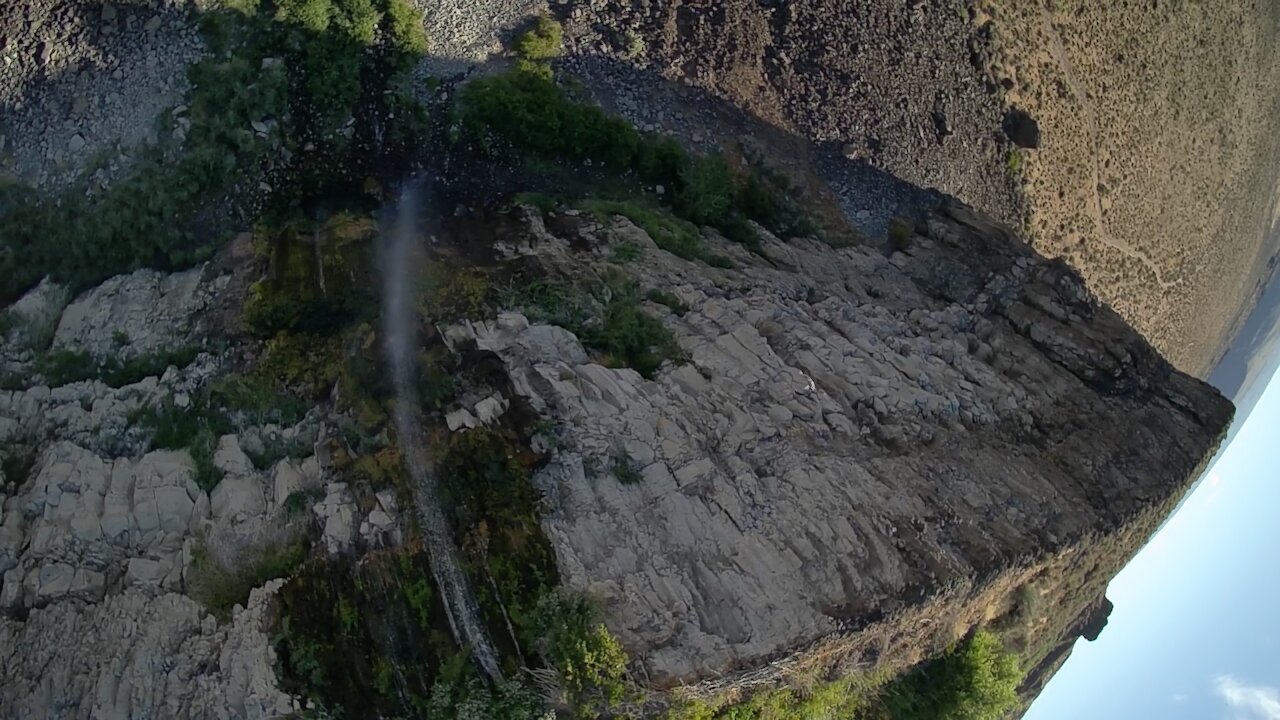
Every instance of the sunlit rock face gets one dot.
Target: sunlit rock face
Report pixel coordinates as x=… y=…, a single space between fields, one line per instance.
x=852 y=433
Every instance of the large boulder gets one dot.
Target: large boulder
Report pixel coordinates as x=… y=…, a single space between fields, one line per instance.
x=137 y=314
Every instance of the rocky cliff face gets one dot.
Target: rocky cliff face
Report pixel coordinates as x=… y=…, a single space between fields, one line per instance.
x=851 y=433
x=860 y=457
x=99 y=533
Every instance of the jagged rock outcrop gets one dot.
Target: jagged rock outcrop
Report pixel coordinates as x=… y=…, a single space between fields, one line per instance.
x=137 y=314
x=139 y=655
x=98 y=533
x=84 y=521
x=851 y=433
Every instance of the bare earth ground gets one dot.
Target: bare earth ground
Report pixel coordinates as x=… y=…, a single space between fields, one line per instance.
x=1157 y=171
x=890 y=85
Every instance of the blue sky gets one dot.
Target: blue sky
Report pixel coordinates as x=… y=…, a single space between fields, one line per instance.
x=1195 y=633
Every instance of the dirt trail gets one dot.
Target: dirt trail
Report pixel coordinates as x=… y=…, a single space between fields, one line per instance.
x=1158 y=162
x=1058 y=51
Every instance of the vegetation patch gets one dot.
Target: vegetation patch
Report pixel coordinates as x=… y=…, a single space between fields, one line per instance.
x=317 y=275
x=62 y=367
x=678 y=237
x=628 y=336
x=494 y=509
x=371 y=639
x=590 y=661
x=900 y=234
x=662 y=297
x=287 y=74
x=527 y=115
x=544 y=41
x=977 y=679
x=608 y=318
x=850 y=698
x=625 y=470
x=221 y=586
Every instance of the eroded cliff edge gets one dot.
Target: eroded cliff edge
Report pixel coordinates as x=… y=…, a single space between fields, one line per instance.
x=855 y=458
x=853 y=434
x=799 y=457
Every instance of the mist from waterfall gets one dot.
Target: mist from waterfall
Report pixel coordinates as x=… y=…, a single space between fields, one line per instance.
x=403 y=261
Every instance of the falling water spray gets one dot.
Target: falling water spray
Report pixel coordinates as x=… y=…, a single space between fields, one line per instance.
x=403 y=259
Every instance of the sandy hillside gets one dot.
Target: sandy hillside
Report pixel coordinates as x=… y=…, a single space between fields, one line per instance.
x=1158 y=162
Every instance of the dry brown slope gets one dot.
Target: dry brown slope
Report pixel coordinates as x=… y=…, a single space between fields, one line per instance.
x=1159 y=151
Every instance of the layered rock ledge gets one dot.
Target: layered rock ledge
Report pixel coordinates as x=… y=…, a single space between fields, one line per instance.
x=853 y=433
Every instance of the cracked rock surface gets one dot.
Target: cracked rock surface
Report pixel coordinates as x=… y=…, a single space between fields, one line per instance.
x=851 y=430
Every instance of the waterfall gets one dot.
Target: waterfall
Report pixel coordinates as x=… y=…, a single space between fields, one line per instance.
x=402 y=263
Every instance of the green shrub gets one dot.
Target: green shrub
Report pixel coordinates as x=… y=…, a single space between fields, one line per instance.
x=533 y=115
x=507 y=700
x=481 y=476
x=62 y=367
x=530 y=114
x=453 y=295
x=276 y=449
x=407 y=33
x=678 y=237
x=766 y=197
x=900 y=233
x=300 y=501
x=625 y=252
x=624 y=469
x=542 y=201
x=159 y=214
x=220 y=588
x=301 y=364
x=544 y=41
x=662 y=297
x=202 y=448
x=549 y=301
x=630 y=337
x=975 y=680
x=661 y=159
x=258 y=397
x=706 y=191
x=591 y=662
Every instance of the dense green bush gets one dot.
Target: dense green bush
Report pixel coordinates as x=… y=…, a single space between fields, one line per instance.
x=678 y=237
x=975 y=680
x=220 y=588
x=481 y=477
x=900 y=232
x=62 y=367
x=534 y=115
x=628 y=336
x=305 y=67
x=706 y=191
x=543 y=41
x=528 y=113
x=591 y=662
